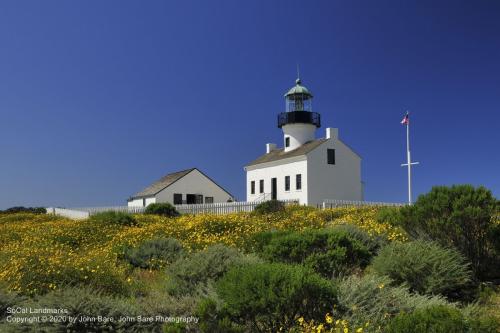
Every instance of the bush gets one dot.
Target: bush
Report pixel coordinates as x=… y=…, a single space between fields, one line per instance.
x=154 y=254
x=438 y=319
x=426 y=267
x=258 y=241
x=461 y=216
x=268 y=207
x=372 y=242
x=373 y=298
x=85 y=302
x=391 y=215
x=8 y=300
x=198 y=269
x=268 y=297
x=212 y=319
x=330 y=252
x=21 y=209
x=162 y=209
x=112 y=217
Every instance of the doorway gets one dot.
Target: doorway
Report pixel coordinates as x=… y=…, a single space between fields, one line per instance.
x=274 y=188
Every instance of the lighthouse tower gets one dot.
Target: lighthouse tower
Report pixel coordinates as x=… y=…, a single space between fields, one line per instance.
x=307 y=169
x=299 y=122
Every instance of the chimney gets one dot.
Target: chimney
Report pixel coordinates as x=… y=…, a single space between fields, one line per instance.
x=270 y=147
x=332 y=133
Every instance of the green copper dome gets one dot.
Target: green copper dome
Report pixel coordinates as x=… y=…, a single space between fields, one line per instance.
x=299 y=90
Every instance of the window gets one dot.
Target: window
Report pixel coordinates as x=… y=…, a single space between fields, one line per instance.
x=209 y=200
x=331 y=156
x=144 y=202
x=287 y=183
x=298 y=182
x=199 y=199
x=177 y=199
x=287 y=141
x=261 y=186
x=252 y=187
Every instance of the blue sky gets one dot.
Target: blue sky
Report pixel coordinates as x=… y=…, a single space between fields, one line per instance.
x=100 y=98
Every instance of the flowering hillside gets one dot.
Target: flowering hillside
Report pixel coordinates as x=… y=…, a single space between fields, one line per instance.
x=334 y=270
x=43 y=252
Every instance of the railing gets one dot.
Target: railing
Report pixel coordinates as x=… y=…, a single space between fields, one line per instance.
x=263 y=197
x=215 y=208
x=333 y=203
x=293 y=117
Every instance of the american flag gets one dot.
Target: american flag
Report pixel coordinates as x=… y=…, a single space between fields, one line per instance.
x=406 y=119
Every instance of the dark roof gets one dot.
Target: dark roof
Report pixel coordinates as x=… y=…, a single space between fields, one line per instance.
x=162 y=183
x=280 y=154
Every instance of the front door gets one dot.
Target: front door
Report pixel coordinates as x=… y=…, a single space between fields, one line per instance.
x=274 y=189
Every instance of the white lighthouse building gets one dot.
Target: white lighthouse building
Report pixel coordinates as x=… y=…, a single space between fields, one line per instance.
x=307 y=168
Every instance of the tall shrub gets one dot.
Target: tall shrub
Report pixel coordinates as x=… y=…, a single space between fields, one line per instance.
x=330 y=252
x=426 y=267
x=269 y=297
x=375 y=299
x=461 y=216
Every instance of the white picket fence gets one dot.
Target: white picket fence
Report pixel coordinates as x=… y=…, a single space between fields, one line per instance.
x=69 y=213
x=333 y=203
x=215 y=208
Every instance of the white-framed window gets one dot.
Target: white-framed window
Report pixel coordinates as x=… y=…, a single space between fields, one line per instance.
x=287 y=183
x=298 y=182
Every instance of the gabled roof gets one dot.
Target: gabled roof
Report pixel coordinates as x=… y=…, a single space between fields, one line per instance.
x=162 y=183
x=280 y=154
x=168 y=180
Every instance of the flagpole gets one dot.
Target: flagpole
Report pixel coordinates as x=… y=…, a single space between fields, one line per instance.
x=409 y=163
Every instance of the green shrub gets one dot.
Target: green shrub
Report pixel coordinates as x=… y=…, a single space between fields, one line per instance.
x=426 y=267
x=374 y=299
x=330 y=252
x=112 y=217
x=268 y=297
x=154 y=253
x=162 y=209
x=8 y=300
x=85 y=301
x=461 y=216
x=438 y=319
x=390 y=215
x=21 y=209
x=372 y=243
x=212 y=319
x=198 y=269
x=258 y=241
x=268 y=207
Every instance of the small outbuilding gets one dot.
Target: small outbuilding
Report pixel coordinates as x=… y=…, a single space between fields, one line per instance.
x=189 y=186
